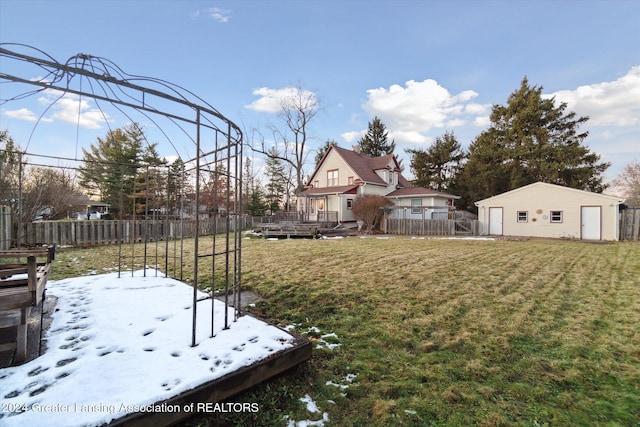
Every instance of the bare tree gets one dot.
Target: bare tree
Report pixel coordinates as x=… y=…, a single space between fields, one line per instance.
x=296 y=112
x=629 y=182
x=369 y=209
x=49 y=193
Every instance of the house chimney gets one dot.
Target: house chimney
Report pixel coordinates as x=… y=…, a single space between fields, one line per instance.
x=356 y=148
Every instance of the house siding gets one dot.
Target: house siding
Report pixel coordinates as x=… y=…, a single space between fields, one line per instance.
x=539 y=200
x=431 y=205
x=333 y=163
x=378 y=176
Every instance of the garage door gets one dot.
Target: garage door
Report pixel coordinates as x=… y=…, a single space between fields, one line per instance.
x=495 y=221
x=590 y=222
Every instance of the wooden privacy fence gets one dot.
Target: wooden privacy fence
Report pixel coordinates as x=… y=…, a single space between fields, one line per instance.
x=630 y=224
x=430 y=227
x=108 y=232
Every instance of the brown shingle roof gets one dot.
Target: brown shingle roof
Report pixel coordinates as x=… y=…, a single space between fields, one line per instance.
x=342 y=189
x=365 y=166
x=419 y=191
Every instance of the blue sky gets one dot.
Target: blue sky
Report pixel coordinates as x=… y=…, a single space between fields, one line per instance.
x=423 y=67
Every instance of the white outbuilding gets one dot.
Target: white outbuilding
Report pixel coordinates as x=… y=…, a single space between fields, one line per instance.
x=548 y=210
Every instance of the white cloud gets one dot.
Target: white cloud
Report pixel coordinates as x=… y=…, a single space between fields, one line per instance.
x=220 y=15
x=215 y=13
x=410 y=112
x=454 y=123
x=355 y=118
x=482 y=121
x=615 y=103
x=410 y=137
x=74 y=110
x=272 y=100
x=351 y=136
x=476 y=109
x=21 y=114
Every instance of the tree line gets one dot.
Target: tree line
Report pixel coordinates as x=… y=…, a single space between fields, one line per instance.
x=529 y=139
x=121 y=169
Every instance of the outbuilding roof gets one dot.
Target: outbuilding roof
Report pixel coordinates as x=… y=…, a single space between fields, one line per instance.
x=554 y=187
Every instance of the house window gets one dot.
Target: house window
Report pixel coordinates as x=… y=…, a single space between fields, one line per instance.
x=332 y=178
x=390 y=177
x=416 y=206
x=556 y=216
x=313 y=206
x=523 y=216
x=350 y=180
x=316 y=184
x=349 y=203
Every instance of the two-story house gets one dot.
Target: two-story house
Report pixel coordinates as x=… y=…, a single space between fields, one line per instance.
x=342 y=175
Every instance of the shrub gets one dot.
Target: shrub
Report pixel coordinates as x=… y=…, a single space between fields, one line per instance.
x=369 y=210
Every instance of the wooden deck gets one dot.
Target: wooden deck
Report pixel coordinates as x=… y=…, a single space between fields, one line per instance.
x=304 y=230
x=289 y=230
x=199 y=401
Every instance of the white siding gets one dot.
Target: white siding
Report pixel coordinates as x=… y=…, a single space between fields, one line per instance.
x=333 y=162
x=402 y=207
x=347 y=214
x=539 y=200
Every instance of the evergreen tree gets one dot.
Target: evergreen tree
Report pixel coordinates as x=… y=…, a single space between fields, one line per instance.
x=323 y=150
x=256 y=205
x=111 y=166
x=374 y=143
x=531 y=139
x=149 y=190
x=253 y=194
x=276 y=180
x=437 y=167
x=178 y=187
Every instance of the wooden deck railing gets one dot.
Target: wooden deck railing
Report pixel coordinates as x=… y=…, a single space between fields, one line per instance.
x=22 y=287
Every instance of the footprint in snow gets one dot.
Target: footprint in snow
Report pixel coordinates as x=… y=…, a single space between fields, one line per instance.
x=169 y=384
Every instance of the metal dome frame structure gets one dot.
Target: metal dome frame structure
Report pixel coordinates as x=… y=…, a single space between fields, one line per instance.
x=211 y=139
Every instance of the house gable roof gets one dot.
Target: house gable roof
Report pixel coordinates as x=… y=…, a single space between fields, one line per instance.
x=362 y=165
x=553 y=187
x=365 y=167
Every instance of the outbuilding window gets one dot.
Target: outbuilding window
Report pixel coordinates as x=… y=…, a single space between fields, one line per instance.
x=556 y=216
x=349 y=203
x=523 y=216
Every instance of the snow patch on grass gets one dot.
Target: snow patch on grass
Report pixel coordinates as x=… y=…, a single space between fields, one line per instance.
x=312 y=408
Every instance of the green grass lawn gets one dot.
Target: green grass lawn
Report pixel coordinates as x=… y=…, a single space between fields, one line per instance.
x=443 y=332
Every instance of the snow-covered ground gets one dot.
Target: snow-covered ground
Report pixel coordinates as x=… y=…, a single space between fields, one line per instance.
x=119 y=345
